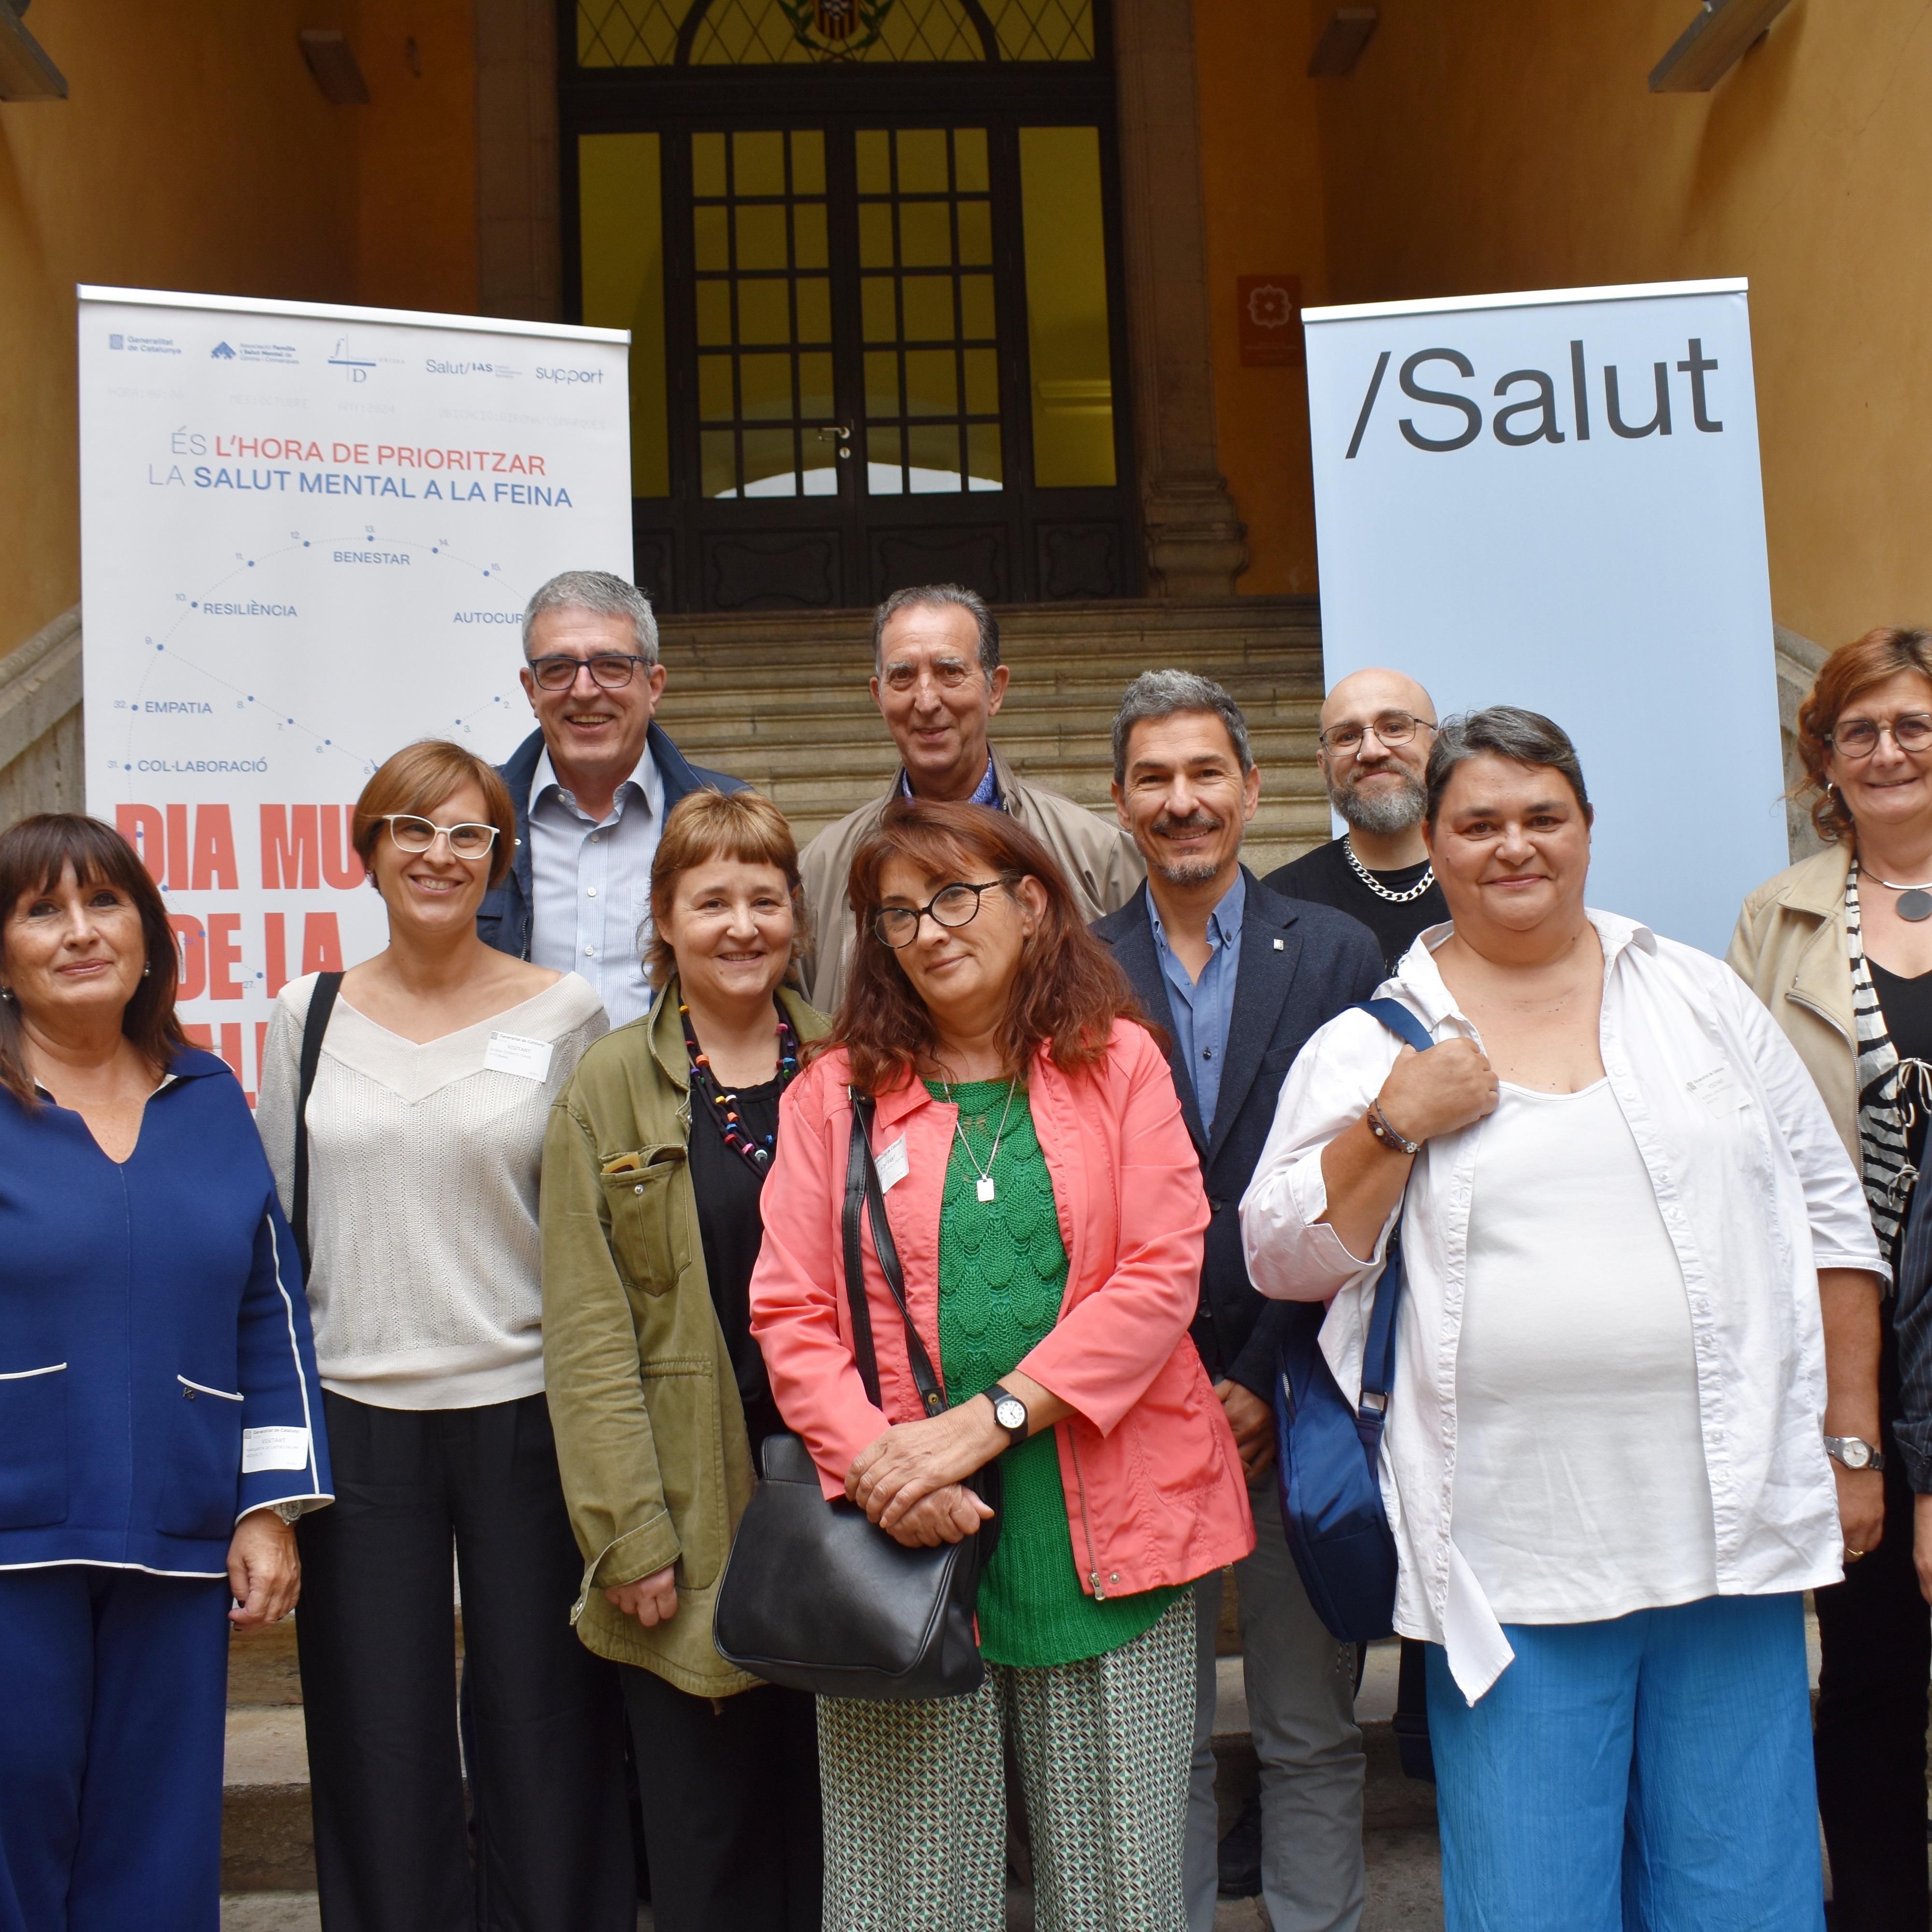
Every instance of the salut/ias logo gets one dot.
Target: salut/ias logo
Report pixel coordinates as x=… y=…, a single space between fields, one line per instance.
x=1527 y=408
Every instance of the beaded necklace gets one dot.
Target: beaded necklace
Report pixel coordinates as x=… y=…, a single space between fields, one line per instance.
x=725 y=1106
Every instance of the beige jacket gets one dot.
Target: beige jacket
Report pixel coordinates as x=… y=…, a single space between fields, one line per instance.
x=1790 y=949
x=1099 y=860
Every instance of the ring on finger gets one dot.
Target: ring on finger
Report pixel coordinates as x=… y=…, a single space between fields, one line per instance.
x=1852 y=1555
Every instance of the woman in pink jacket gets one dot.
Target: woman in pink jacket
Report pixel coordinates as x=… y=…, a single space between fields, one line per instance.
x=1047 y=1208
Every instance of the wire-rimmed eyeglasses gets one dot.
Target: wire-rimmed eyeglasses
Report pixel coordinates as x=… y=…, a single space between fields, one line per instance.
x=955 y=904
x=412 y=834
x=1392 y=728
x=1857 y=737
x=610 y=671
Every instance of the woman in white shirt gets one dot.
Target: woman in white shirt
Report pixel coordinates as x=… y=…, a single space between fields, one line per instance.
x=1641 y=1297
x=438 y=1062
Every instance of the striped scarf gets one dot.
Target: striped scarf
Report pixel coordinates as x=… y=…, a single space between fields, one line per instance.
x=1890 y=1091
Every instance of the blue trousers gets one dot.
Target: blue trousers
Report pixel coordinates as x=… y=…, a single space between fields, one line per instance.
x=113 y=1695
x=1651 y=1774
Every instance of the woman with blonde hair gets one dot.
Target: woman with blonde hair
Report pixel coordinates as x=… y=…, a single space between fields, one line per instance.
x=654 y=1170
x=403 y=1106
x=1839 y=947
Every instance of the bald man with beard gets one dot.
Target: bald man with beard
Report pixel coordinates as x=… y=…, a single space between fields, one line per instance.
x=1377 y=727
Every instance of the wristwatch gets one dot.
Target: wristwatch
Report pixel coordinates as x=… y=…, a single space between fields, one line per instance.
x=1009 y=1412
x=291 y=1514
x=1855 y=1452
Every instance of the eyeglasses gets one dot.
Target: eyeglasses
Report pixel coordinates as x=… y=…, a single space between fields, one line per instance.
x=955 y=904
x=610 y=671
x=1858 y=738
x=1392 y=728
x=412 y=834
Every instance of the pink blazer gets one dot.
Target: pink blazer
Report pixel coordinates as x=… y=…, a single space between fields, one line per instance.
x=1153 y=1483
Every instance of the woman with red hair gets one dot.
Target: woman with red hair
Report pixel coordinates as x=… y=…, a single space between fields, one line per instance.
x=1839 y=947
x=1043 y=1197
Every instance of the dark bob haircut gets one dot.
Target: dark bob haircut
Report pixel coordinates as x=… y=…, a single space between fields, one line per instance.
x=1503 y=731
x=34 y=855
x=1066 y=995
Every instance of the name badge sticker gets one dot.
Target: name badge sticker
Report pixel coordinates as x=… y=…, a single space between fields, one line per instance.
x=892 y=1163
x=511 y=1053
x=1717 y=1091
x=274 y=1449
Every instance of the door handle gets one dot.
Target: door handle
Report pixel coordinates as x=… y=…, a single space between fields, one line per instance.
x=839 y=432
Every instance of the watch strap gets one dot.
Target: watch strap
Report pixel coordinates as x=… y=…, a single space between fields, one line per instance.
x=1835 y=1447
x=997 y=1394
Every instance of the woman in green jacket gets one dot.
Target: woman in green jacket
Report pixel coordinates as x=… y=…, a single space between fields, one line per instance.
x=657 y=1152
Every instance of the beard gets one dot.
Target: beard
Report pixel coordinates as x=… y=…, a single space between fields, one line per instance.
x=1382 y=813
x=1187 y=871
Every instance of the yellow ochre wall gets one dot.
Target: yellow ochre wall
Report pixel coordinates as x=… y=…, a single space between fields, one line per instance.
x=195 y=152
x=1480 y=146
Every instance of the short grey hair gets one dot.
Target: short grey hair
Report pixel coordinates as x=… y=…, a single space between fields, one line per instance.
x=1503 y=731
x=596 y=590
x=1161 y=693
x=932 y=595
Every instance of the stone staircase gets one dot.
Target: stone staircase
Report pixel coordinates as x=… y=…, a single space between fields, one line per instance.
x=782 y=701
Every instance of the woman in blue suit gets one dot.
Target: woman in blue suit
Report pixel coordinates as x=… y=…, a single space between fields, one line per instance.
x=160 y=1416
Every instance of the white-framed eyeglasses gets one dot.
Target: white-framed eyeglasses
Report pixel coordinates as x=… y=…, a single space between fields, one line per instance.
x=412 y=834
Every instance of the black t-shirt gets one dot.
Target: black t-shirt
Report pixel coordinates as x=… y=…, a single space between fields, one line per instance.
x=1325 y=877
x=732 y=1230
x=1906 y=1005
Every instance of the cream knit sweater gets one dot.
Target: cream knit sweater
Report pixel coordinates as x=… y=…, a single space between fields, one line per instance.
x=423 y=1167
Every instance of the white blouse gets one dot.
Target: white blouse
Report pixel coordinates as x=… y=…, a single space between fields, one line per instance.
x=424 y=1160
x=1580 y=1491
x=1754 y=1189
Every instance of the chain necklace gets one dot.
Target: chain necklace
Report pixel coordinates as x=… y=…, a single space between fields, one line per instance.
x=1375 y=885
x=725 y=1106
x=984 y=1189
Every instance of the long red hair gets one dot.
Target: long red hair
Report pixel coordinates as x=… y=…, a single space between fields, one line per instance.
x=1066 y=995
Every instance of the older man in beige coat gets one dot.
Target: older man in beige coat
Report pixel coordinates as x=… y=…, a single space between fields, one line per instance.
x=938 y=682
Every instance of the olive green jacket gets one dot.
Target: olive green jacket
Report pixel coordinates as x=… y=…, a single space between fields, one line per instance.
x=650 y=1434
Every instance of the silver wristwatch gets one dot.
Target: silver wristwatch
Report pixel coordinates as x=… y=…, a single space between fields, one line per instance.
x=291 y=1514
x=1855 y=1452
x=1010 y=1413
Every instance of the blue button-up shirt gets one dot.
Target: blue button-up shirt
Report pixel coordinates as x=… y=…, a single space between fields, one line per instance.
x=986 y=792
x=1202 y=1008
x=590 y=883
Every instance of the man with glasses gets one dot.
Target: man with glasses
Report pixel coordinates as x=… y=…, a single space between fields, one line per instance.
x=592 y=786
x=938 y=682
x=1377 y=726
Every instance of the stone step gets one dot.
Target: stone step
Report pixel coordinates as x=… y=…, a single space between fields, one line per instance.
x=720 y=709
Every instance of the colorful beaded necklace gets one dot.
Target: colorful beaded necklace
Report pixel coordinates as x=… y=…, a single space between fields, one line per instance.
x=725 y=1106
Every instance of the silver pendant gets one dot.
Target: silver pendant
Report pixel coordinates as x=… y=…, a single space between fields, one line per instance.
x=1915 y=904
x=985 y=1187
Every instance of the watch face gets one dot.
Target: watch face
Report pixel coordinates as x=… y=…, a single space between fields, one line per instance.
x=1010 y=1414
x=1853 y=1453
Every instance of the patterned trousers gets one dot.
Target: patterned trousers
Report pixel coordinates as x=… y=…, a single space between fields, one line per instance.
x=915 y=1795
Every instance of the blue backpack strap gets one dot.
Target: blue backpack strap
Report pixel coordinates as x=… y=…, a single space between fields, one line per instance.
x=1378 y=1351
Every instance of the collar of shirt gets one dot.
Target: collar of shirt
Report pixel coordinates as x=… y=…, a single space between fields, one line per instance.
x=647 y=780
x=1204 y=1007
x=986 y=792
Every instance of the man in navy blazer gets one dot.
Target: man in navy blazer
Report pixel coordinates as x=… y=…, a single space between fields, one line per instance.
x=1240 y=978
x=592 y=786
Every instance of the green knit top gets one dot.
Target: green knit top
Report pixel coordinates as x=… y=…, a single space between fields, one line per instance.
x=1002 y=1277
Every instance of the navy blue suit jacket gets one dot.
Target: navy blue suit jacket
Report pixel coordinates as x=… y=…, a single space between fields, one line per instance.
x=505 y=918
x=1300 y=965
x=153 y=1335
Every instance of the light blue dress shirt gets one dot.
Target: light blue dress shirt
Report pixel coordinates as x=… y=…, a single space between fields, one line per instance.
x=590 y=883
x=986 y=792
x=1202 y=1008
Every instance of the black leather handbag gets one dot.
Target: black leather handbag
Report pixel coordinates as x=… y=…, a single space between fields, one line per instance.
x=814 y=1596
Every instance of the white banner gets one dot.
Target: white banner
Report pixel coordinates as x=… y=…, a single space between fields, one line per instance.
x=308 y=535
x=1553 y=500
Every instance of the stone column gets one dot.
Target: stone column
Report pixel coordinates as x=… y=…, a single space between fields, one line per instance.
x=1194 y=541
x=519 y=235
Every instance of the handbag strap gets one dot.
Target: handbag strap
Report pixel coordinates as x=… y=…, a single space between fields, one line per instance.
x=862 y=1191
x=321 y=1003
x=1378 y=1352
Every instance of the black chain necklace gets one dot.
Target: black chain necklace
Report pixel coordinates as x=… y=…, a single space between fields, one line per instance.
x=725 y=1106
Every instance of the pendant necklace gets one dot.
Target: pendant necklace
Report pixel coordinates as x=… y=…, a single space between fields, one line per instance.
x=984 y=1188
x=1915 y=902
x=1421 y=886
x=724 y=1106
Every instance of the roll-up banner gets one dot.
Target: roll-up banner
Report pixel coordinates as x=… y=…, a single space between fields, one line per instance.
x=1553 y=500
x=308 y=536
